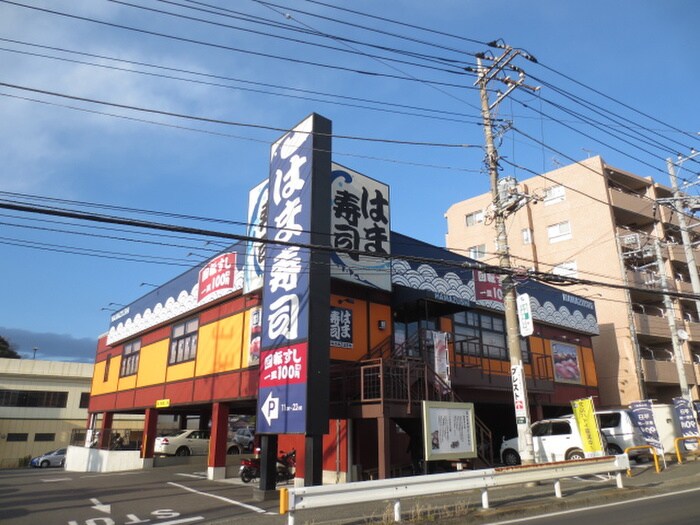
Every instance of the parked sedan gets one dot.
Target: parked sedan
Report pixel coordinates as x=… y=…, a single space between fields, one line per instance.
x=54 y=458
x=183 y=443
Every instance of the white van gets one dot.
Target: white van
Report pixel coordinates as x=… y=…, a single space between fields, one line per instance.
x=552 y=439
x=620 y=430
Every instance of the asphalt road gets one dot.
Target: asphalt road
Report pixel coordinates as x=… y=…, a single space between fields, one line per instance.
x=674 y=508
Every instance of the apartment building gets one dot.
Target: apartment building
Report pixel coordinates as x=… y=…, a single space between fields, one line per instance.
x=599 y=222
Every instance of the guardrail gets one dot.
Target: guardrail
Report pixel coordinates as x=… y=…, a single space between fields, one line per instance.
x=300 y=498
x=683 y=439
x=653 y=453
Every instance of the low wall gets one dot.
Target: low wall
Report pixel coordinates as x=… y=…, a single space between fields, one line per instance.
x=82 y=459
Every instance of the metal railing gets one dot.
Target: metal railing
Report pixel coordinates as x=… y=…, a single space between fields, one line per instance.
x=300 y=498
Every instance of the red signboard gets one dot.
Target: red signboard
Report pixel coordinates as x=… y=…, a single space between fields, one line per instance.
x=218 y=275
x=487 y=287
x=283 y=366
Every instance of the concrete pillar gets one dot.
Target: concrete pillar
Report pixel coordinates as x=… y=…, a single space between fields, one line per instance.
x=218 y=441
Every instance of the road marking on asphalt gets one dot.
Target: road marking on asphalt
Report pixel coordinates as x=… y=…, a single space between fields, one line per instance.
x=227 y=500
x=182 y=520
x=54 y=480
x=604 y=506
x=198 y=476
x=108 y=474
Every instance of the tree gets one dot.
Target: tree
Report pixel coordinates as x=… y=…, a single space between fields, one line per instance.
x=7 y=349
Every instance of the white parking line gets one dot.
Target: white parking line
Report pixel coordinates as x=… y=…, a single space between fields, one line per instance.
x=227 y=500
x=54 y=480
x=198 y=476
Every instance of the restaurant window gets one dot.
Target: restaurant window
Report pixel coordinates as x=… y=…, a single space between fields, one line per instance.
x=183 y=343
x=130 y=358
x=483 y=335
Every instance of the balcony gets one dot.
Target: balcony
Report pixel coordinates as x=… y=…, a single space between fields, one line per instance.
x=666 y=372
x=652 y=325
x=693 y=330
x=631 y=203
x=669 y=216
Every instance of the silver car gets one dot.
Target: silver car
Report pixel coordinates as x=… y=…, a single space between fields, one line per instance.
x=54 y=458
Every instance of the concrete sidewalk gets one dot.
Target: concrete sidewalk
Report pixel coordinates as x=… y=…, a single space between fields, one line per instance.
x=505 y=503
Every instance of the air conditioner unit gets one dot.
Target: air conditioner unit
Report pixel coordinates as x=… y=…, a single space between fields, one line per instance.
x=630 y=241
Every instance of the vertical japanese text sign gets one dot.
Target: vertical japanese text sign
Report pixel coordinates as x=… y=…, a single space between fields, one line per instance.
x=294 y=357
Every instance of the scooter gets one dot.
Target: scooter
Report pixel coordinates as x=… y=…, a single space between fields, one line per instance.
x=286 y=467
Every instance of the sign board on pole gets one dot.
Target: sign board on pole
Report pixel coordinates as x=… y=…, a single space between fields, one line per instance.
x=527 y=326
x=519 y=399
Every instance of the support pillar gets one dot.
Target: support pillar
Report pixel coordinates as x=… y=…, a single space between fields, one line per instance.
x=150 y=428
x=106 y=430
x=218 y=440
x=383 y=447
x=268 y=468
x=313 y=460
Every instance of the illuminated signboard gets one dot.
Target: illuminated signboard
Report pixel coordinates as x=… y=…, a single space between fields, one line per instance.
x=360 y=222
x=217 y=277
x=294 y=358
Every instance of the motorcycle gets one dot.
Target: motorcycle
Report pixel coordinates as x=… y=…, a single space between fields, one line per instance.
x=286 y=467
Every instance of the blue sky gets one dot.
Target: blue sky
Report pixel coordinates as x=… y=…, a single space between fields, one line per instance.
x=641 y=53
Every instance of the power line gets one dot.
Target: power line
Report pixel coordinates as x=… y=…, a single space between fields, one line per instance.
x=228 y=48
x=304 y=42
x=467 y=265
x=226 y=122
x=384 y=106
x=239 y=137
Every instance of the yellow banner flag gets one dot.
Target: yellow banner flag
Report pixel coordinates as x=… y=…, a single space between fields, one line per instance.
x=584 y=413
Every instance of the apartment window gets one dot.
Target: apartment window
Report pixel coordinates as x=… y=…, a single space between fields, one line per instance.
x=526 y=234
x=472 y=219
x=553 y=194
x=477 y=252
x=33 y=398
x=566 y=269
x=45 y=436
x=130 y=358
x=84 y=400
x=16 y=436
x=559 y=232
x=183 y=344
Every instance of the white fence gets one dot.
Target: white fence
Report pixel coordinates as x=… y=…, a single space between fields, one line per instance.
x=300 y=498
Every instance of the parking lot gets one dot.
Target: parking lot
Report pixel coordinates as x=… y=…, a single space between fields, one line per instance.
x=169 y=495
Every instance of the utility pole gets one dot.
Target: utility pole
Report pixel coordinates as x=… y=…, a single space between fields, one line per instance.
x=685 y=236
x=503 y=206
x=671 y=316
